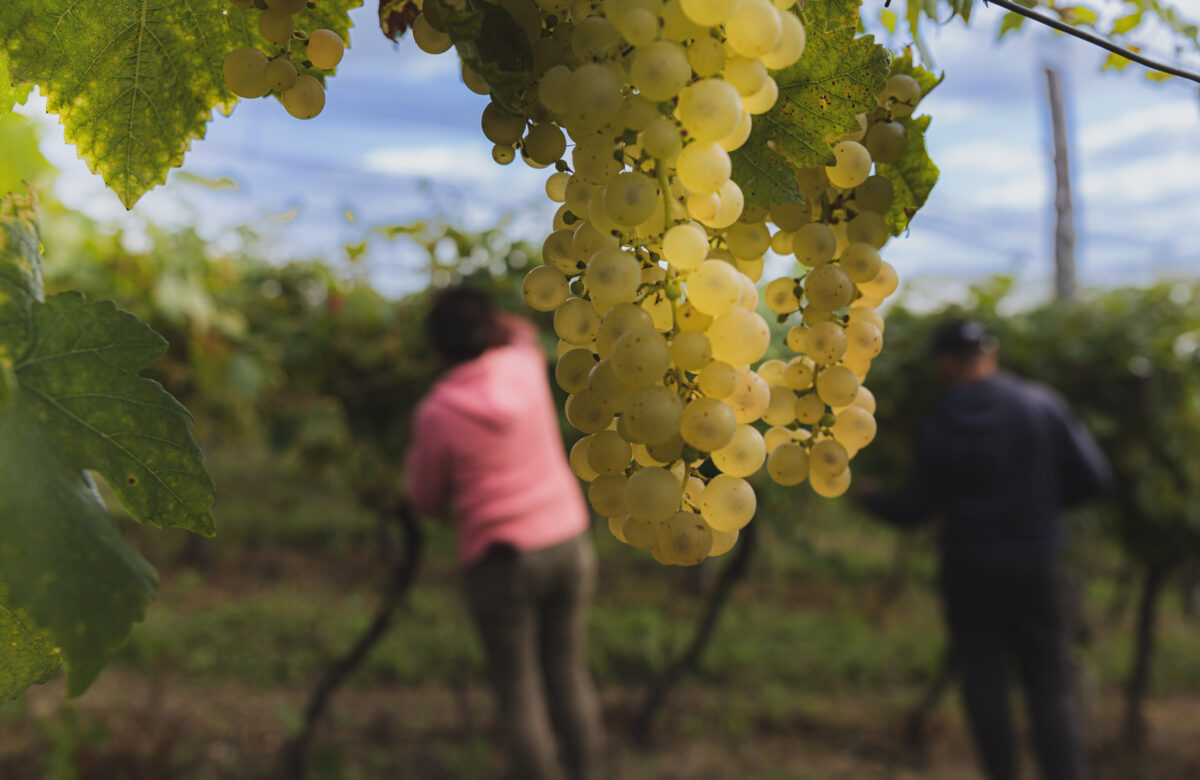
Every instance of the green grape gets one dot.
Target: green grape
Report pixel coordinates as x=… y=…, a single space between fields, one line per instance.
x=828 y=288
x=744 y=455
x=606 y=494
x=653 y=494
x=703 y=167
x=608 y=389
x=739 y=134
x=594 y=98
x=748 y=297
x=691 y=350
x=618 y=321
x=640 y=357
x=837 y=385
x=865 y=314
x=799 y=373
x=729 y=208
x=641 y=453
x=686 y=539
x=739 y=337
x=558 y=251
x=771 y=371
x=594 y=37
x=281 y=74
x=781 y=408
x=677 y=27
x=830 y=487
x=706 y=55
x=630 y=198
x=639 y=533
x=790 y=46
x=501 y=127
x=614 y=527
x=660 y=70
x=883 y=285
x=746 y=76
x=723 y=542
x=854 y=428
x=688 y=317
x=708 y=13
x=305 y=99
x=886 y=141
x=855 y=135
x=638 y=26
x=717 y=380
x=613 y=276
x=594 y=163
x=325 y=48
x=810 y=409
x=587 y=412
x=780 y=296
x=704 y=206
x=473 y=81
x=608 y=454
x=827 y=459
x=668 y=451
x=713 y=288
x=553 y=88
x=586 y=241
x=571 y=370
x=875 y=194
x=901 y=95
x=865 y=399
x=578 y=460
x=727 y=503
x=861 y=262
x=825 y=343
x=578 y=194
x=707 y=424
x=852 y=166
x=777 y=435
x=790 y=216
x=751 y=397
x=545 y=143
x=814 y=244
x=748 y=241
x=685 y=246
x=864 y=341
x=787 y=464
x=428 y=39
x=661 y=139
x=544 y=288
x=868 y=227
x=754 y=28
x=763 y=100
x=709 y=109
x=245 y=70
x=556 y=186
x=276 y=26
x=781 y=243
x=654 y=414
x=576 y=321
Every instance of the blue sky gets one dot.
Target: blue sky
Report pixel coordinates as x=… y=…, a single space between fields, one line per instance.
x=399 y=140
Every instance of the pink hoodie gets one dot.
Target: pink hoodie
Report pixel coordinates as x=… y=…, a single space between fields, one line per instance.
x=487 y=436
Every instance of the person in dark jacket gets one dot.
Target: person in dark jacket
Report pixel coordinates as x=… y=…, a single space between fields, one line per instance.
x=997 y=459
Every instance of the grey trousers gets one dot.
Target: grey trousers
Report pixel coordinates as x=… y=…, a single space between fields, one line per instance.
x=530 y=610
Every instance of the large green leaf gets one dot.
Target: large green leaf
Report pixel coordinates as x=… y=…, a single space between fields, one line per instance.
x=28 y=656
x=132 y=81
x=10 y=95
x=837 y=77
x=71 y=400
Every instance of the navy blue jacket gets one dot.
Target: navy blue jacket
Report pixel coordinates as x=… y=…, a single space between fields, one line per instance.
x=998 y=459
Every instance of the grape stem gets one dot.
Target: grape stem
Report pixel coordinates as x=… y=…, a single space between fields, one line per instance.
x=664 y=187
x=1096 y=40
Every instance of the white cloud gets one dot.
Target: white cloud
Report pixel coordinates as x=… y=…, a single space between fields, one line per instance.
x=1177 y=119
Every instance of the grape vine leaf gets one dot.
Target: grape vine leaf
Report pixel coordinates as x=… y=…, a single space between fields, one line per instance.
x=10 y=94
x=134 y=82
x=836 y=78
x=71 y=399
x=914 y=174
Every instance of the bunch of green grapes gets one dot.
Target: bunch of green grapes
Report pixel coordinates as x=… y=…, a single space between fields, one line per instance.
x=652 y=263
x=249 y=73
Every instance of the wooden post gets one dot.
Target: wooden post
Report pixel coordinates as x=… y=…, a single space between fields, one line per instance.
x=1064 y=229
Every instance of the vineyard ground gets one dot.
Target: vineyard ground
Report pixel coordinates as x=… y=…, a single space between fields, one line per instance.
x=809 y=674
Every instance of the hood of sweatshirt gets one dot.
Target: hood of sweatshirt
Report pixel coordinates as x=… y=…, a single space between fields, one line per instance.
x=979 y=406
x=486 y=390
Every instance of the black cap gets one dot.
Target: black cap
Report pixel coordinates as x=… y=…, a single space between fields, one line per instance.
x=962 y=339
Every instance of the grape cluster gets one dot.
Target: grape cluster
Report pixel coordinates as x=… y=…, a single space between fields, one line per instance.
x=652 y=265
x=250 y=73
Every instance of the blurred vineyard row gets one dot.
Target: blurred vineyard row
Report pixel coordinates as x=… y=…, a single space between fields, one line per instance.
x=302 y=378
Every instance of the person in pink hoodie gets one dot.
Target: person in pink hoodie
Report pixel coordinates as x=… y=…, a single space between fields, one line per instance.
x=486 y=447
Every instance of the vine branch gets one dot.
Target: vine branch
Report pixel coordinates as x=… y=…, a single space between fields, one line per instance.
x=1096 y=40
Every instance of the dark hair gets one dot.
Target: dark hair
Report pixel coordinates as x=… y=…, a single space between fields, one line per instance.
x=962 y=340
x=462 y=324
